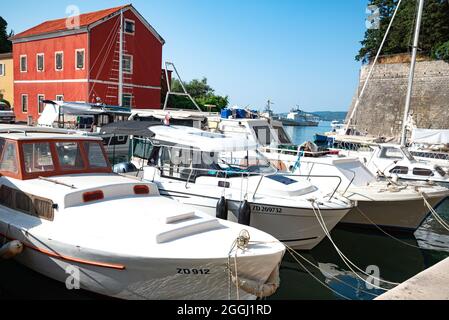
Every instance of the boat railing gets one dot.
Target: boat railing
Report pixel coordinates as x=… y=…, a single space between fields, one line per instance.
x=351 y=181
x=228 y=174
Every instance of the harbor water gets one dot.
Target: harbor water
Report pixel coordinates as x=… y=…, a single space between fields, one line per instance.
x=318 y=274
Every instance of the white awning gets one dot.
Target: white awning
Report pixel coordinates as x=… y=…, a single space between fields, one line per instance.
x=201 y=140
x=430 y=136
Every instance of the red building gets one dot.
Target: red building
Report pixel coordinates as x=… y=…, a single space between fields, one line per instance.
x=62 y=60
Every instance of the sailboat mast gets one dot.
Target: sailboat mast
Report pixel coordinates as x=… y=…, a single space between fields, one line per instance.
x=412 y=73
x=120 y=63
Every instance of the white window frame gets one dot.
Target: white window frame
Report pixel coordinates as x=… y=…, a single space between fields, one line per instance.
x=28 y=102
x=132 y=63
x=26 y=63
x=43 y=62
x=76 y=59
x=124 y=27
x=56 y=54
x=131 y=100
x=60 y=96
x=43 y=98
x=3 y=69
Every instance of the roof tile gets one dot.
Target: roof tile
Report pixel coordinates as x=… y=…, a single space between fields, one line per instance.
x=59 y=25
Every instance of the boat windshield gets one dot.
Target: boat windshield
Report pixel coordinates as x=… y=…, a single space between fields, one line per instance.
x=51 y=158
x=187 y=164
x=283 y=136
x=252 y=162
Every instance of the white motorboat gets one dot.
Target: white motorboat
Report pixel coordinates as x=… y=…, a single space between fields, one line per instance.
x=299 y=118
x=380 y=204
x=116 y=236
x=87 y=119
x=392 y=160
x=208 y=171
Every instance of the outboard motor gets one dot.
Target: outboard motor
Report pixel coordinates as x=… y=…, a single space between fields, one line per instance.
x=245 y=213
x=222 y=209
x=125 y=167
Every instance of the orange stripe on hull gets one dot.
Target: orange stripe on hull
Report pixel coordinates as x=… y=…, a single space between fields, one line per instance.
x=70 y=259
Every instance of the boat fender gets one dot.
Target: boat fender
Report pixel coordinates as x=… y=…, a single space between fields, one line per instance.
x=255 y=288
x=11 y=249
x=222 y=209
x=245 y=213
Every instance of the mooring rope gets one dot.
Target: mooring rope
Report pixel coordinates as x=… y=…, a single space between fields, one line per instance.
x=345 y=259
x=315 y=277
x=434 y=213
x=330 y=276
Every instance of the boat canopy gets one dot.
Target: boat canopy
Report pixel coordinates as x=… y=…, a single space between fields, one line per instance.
x=430 y=136
x=201 y=140
x=130 y=128
x=174 y=114
x=53 y=109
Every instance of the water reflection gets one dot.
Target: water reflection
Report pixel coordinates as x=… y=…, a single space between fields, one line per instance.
x=396 y=257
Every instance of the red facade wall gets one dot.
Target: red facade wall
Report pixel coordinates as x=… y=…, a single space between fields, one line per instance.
x=69 y=82
x=146 y=50
x=100 y=75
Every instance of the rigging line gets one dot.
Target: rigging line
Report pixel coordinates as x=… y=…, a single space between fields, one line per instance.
x=346 y=259
x=365 y=85
x=105 y=57
x=331 y=276
x=104 y=45
x=316 y=278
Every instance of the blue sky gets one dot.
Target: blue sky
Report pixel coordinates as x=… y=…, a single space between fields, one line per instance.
x=294 y=52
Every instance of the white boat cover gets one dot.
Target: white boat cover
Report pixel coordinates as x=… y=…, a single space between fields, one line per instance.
x=430 y=136
x=201 y=140
x=54 y=108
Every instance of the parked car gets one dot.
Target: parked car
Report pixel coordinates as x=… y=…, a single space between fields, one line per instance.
x=6 y=114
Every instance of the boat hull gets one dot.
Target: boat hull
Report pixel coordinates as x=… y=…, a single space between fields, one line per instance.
x=297 y=228
x=403 y=216
x=151 y=278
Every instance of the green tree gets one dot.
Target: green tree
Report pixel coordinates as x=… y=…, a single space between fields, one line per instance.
x=434 y=28
x=201 y=92
x=5 y=44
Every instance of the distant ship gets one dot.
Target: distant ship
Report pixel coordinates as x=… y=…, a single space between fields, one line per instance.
x=299 y=118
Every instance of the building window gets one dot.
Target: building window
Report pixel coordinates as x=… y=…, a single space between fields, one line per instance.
x=24 y=103
x=60 y=97
x=23 y=63
x=40 y=62
x=59 y=61
x=127 y=100
x=2 y=69
x=40 y=103
x=80 y=59
x=130 y=26
x=127 y=63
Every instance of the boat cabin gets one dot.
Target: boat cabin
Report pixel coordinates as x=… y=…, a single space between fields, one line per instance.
x=261 y=131
x=30 y=154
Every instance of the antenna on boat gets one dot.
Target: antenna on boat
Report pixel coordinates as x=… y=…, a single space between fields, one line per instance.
x=412 y=73
x=169 y=92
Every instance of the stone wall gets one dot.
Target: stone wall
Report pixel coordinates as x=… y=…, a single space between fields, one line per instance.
x=381 y=109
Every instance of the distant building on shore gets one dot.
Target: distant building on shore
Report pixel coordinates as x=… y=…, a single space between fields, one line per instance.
x=60 y=61
x=7 y=77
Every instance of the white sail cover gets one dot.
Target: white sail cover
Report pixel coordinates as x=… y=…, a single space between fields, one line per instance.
x=430 y=136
